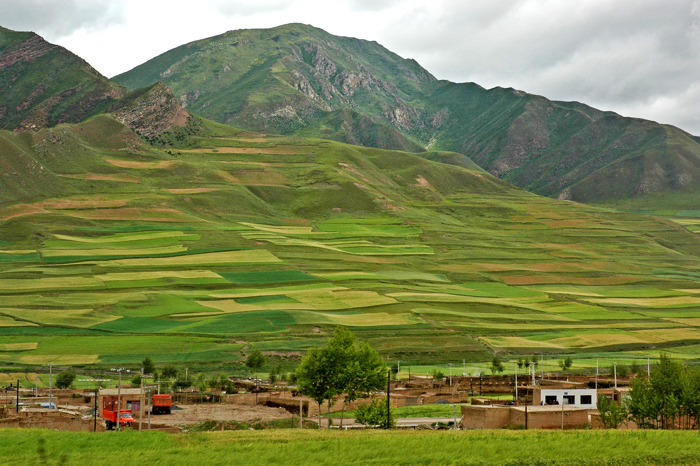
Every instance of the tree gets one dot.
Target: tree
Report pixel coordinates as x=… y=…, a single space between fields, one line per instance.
x=255 y=360
x=566 y=363
x=169 y=372
x=438 y=375
x=65 y=379
x=148 y=366
x=136 y=381
x=521 y=363
x=497 y=365
x=375 y=414
x=342 y=365
x=612 y=414
x=364 y=373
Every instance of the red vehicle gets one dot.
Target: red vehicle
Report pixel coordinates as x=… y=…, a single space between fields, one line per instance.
x=109 y=413
x=162 y=404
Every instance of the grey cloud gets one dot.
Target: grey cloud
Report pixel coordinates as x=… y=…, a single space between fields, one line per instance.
x=618 y=55
x=248 y=8
x=372 y=5
x=59 y=18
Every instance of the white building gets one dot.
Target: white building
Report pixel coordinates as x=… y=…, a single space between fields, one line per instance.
x=576 y=397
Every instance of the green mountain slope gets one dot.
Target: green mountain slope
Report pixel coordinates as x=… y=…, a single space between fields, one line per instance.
x=296 y=79
x=42 y=84
x=229 y=240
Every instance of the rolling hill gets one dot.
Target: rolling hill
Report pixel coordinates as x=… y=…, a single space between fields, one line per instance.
x=230 y=240
x=297 y=79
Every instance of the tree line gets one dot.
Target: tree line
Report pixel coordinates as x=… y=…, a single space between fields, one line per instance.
x=668 y=398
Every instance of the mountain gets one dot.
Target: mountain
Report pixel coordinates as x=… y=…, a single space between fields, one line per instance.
x=42 y=84
x=297 y=79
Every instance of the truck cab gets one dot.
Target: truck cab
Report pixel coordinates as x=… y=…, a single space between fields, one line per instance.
x=109 y=413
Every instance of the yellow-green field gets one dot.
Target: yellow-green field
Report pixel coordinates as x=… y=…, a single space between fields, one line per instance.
x=195 y=254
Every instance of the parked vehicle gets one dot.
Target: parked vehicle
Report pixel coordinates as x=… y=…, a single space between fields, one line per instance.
x=109 y=413
x=162 y=404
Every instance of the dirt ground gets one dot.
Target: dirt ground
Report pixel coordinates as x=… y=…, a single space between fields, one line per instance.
x=196 y=413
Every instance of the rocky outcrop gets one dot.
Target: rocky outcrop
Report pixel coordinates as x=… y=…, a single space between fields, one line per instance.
x=151 y=112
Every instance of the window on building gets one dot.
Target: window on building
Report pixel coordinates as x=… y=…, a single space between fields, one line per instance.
x=550 y=400
x=569 y=399
x=586 y=400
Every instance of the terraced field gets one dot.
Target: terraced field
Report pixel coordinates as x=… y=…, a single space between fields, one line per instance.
x=194 y=254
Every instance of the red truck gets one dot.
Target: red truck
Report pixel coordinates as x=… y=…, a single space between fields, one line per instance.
x=109 y=413
x=162 y=404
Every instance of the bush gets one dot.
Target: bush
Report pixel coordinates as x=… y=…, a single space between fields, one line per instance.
x=375 y=414
x=65 y=379
x=169 y=372
x=438 y=375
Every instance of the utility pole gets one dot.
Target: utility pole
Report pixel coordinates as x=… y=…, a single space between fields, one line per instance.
x=525 y=412
x=398 y=369
x=388 y=399
x=516 y=383
x=615 y=371
x=533 y=373
x=119 y=400
x=596 y=376
x=17 y=404
x=541 y=366
x=50 y=387
x=301 y=413
x=94 y=422
x=150 y=408
x=141 y=402
x=648 y=369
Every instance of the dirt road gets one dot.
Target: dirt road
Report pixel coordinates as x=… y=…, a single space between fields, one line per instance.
x=196 y=413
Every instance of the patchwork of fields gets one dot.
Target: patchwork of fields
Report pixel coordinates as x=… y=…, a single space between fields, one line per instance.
x=269 y=242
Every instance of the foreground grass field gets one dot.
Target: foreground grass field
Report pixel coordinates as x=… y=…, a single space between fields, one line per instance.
x=199 y=254
x=284 y=447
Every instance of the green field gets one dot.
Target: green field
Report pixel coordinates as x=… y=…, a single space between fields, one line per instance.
x=594 y=448
x=430 y=263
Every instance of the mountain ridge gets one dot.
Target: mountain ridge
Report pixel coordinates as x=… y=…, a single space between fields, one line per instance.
x=43 y=84
x=292 y=78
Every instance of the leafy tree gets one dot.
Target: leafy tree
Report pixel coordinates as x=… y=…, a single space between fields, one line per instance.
x=169 y=372
x=148 y=366
x=365 y=373
x=375 y=414
x=497 y=365
x=273 y=376
x=342 y=365
x=521 y=363
x=66 y=378
x=155 y=376
x=316 y=377
x=566 y=363
x=255 y=360
x=536 y=360
x=136 y=381
x=612 y=414
x=438 y=375
x=181 y=383
x=635 y=368
x=623 y=370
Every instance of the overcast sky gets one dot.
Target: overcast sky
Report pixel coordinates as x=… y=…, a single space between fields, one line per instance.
x=636 y=57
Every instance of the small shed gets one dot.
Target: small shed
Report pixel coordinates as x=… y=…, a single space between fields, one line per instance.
x=130 y=399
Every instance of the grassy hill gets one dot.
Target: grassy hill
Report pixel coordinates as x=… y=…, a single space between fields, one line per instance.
x=112 y=249
x=296 y=79
x=42 y=84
